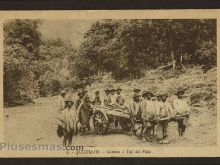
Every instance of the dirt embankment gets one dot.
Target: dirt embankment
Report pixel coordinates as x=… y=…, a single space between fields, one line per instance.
x=36 y=123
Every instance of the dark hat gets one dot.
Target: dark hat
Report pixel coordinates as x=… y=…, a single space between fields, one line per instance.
x=84 y=91
x=107 y=89
x=136 y=90
x=87 y=97
x=145 y=93
x=136 y=95
x=69 y=101
x=158 y=95
x=118 y=89
x=164 y=95
x=112 y=90
x=180 y=92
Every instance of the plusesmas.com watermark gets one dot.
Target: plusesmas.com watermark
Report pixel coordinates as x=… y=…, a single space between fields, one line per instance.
x=38 y=147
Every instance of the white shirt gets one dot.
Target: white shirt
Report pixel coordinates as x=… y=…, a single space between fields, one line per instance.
x=112 y=98
x=165 y=109
x=157 y=106
x=180 y=106
x=148 y=109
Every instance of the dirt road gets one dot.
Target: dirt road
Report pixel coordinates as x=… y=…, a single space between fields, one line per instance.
x=36 y=124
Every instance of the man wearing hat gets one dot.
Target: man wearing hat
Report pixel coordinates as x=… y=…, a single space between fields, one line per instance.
x=165 y=111
x=135 y=112
x=97 y=100
x=106 y=99
x=137 y=91
x=61 y=101
x=120 y=99
x=81 y=93
x=68 y=119
x=85 y=110
x=148 y=115
x=181 y=108
x=112 y=97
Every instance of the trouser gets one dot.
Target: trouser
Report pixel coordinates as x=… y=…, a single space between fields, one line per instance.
x=163 y=125
x=67 y=137
x=147 y=128
x=181 y=126
x=134 y=120
x=116 y=122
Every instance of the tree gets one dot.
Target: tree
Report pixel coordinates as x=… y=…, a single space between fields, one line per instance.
x=21 y=43
x=126 y=47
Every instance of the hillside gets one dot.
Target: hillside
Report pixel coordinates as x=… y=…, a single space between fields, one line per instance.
x=200 y=89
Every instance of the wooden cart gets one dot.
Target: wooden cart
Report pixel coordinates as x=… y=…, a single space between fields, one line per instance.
x=103 y=116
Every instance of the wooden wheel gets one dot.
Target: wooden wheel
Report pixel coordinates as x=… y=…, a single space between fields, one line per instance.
x=100 y=123
x=125 y=124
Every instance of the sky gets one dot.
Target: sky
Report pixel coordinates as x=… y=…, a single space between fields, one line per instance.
x=72 y=30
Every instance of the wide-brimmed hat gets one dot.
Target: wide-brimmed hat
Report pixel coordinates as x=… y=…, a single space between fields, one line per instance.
x=118 y=89
x=84 y=91
x=136 y=95
x=107 y=89
x=87 y=97
x=112 y=90
x=69 y=101
x=164 y=95
x=180 y=92
x=145 y=93
x=154 y=98
x=136 y=90
x=158 y=95
x=63 y=92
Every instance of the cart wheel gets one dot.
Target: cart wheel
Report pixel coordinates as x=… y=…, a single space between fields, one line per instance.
x=125 y=124
x=100 y=123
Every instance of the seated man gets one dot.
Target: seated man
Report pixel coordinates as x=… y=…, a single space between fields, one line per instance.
x=112 y=97
x=106 y=99
x=120 y=99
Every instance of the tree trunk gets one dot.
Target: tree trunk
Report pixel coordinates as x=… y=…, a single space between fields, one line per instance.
x=171 y=50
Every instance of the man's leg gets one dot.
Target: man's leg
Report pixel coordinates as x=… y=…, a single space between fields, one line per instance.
x=64 y=138
x=116 y=123
x=165 y=129
x=70 y=138
x=148 y=133
x=180 y=127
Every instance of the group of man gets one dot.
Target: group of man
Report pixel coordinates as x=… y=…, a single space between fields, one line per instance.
x=73 y=117
x=111 y=97
x=149 y=110
x=156 y=111
x=153 y=112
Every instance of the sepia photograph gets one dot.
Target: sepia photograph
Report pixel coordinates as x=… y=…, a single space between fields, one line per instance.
x=109 y=83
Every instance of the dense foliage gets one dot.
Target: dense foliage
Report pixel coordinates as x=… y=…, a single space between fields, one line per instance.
x=36 y=67
x=126 y=47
